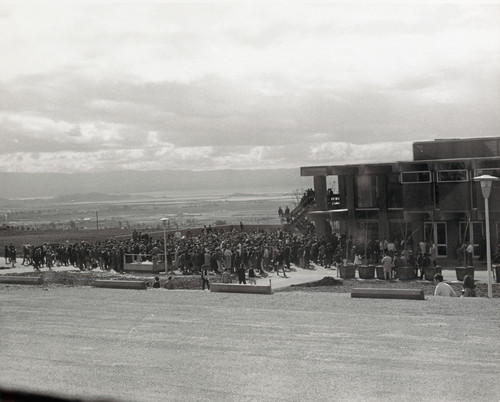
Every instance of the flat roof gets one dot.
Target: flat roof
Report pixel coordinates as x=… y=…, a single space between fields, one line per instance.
x=381 y=168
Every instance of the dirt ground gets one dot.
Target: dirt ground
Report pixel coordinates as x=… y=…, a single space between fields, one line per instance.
x=74 y=278
x=190 y=345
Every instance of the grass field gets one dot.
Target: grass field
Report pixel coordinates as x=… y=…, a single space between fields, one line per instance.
x=291 y=346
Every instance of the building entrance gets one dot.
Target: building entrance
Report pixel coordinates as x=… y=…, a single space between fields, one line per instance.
x=473 y=232
x=435 y=232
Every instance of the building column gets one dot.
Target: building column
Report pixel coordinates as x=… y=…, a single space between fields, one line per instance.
x=383 y=228
x=323 y=228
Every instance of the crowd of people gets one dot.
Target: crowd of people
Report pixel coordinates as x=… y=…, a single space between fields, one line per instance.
x=261 y=250
x=237 y=251
x=220 y=250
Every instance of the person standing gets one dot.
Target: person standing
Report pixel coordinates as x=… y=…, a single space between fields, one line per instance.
x=470 y=253
x=228 y=258
x=7 y=254
x=287 y=214
x=442 y=288
x=252 y=276
x=204 y=277
x=423 y=247
x=241 y=275
x=12 y=254
x=387 y=263
x=433 y=253
x=154 y=257
x=460 y=254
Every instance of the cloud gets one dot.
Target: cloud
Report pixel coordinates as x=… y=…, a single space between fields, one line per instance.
x=206 y=86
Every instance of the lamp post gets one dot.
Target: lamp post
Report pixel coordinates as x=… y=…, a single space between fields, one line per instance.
x=486 y=183
x=164 y=222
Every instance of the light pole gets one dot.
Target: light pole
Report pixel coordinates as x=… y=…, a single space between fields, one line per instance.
x=164 y=222
x=486 y=183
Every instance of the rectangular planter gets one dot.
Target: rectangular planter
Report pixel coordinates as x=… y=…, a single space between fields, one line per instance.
x=366 y=271
x=429 y=272
x=347 y=271
x=406 y=273
x=380 y=272
x=496 y=268
x=463 y=271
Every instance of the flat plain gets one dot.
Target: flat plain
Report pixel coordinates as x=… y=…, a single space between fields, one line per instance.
x=190 y=345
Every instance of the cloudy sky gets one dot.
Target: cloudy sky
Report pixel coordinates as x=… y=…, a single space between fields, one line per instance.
x=111 y=86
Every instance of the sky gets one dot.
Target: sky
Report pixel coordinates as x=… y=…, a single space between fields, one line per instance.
x=105 y=86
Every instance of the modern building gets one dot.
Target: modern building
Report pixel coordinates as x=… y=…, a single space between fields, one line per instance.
x=431 y=198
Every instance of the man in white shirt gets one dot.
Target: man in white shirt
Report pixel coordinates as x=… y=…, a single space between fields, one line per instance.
x=442 y=289
x=470 y=253
x=387 y=263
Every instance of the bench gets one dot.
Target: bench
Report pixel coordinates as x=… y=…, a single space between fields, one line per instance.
x=237 y=288
x=376 y=293
x=22 y=280
x=103 y=283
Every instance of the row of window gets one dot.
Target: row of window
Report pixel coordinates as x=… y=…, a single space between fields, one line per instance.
x=435 y=232
x=443 y=176
x=396 y=195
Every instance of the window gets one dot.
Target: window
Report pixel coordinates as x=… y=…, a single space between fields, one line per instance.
x=450 y=165
x=368 y=230
x=394 y=193
x=452 y=176
x=366 y=191
x=492 y=172
x=416 y=177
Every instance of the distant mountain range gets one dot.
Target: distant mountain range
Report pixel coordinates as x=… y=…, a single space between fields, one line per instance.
x=33 y=185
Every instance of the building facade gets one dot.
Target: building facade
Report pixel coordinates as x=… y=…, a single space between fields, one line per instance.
x=432 y=198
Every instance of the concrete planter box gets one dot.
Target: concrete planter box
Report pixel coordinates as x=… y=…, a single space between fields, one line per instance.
x=429 y=272
x=237 y=288
x=380 y=271
x=347 y=271
x=496 y=269
x=406 y=273
x=463 y=271
x=366 y=271
x=143 y=267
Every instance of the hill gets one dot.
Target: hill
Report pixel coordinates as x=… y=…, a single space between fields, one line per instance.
x=19 y=185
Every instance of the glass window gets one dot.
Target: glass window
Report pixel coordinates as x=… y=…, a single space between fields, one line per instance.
x=366 y=191
x=491 y=172
x=394 y=192
x=368 y=230
x=452 y=175
x=450 y=165
x=416 y=177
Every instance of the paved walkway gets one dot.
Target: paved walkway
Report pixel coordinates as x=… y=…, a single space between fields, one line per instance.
x=297 y=276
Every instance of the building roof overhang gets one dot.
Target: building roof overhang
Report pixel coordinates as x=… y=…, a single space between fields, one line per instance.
x=391 y=167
